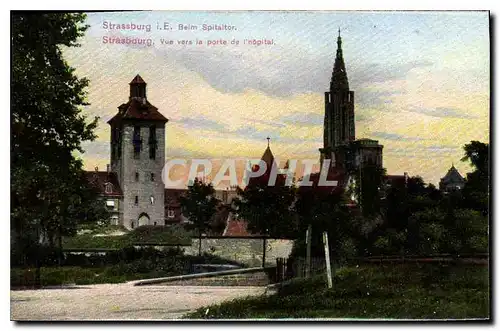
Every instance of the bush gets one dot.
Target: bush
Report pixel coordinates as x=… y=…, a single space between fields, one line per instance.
x=173 y=235
x=160 y=234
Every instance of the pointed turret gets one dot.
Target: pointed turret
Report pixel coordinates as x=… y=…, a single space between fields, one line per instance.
x=268 y=157
x=137 y=87
x=339 y=75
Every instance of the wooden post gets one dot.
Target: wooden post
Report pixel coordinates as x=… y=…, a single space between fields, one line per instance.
x=327 y=259
x=264 y=248
x=308 y=251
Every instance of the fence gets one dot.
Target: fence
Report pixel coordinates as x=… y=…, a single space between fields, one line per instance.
x=296 y=267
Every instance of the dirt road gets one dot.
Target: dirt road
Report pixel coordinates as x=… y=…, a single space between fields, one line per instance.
x=119 y=301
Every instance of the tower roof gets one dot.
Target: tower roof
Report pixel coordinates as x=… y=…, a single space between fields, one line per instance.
x=138 y=107
x=339 y=75
x=137 y=110
x=137 y=80
x=452 y=176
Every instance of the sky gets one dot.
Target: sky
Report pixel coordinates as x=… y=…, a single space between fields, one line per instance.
x=421 y=82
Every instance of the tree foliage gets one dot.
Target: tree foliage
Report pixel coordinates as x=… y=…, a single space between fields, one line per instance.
x=325 y=209
x=49 y=194
x=476 y=189
x=199 y=206
x=267 y=209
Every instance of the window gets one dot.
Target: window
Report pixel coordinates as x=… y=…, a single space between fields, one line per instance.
x=137 y=142
x=108 y=188
x=110 y=205
x=136 y=176
x=114 y=220
x=152 y=177
x=154 y=223
x=152 y=199
x=115 y=143
x=152 y=142
x=132 y=225
x=170 y=213
x=136 y=200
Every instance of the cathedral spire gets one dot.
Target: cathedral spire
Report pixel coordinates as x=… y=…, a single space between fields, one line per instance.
x=339 y=76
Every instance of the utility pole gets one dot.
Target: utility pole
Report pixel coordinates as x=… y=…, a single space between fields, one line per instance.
x=360 y=184
x=264 y=248
x=308 y=251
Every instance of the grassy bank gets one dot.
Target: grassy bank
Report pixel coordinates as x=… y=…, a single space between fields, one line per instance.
x=50 y=276
x=114 y=267
x=401 y=292
x=172 y=235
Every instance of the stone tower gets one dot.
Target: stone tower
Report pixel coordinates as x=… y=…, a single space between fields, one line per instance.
x=138 y=157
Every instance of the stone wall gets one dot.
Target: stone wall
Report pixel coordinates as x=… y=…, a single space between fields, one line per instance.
x=242 y=250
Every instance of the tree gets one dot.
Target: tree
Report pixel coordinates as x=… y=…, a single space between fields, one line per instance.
x=324 y=209
x=199 y=205
x=267 y=209
x=48 y=191
x=476 y=189
x=477 y=153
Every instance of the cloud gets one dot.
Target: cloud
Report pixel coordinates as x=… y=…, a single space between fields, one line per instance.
x=442 y=149
x=378 y=73
x=441 y=112
x=365 y=97
x=96 y=148
x=175 y=152
x=303 y=119
x=252 y=133
x=422 y=151
x=393 y=136
x=201 y=122
x=264 y=122
x=233 y=70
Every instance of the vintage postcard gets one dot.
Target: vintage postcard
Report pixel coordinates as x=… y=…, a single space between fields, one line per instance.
x=248 y=165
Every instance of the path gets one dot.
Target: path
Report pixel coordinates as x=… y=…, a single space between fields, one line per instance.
x=119 y=301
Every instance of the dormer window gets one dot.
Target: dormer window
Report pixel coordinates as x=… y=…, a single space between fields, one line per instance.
x=108 y=188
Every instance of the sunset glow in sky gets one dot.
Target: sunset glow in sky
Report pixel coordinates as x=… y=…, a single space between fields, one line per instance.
x=421 y=82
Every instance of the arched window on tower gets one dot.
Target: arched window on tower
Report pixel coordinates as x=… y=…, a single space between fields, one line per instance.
x=152 y=199
x=137 y=142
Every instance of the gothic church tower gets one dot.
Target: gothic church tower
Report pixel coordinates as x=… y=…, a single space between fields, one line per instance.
x=138 y=157
x=339 y=112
